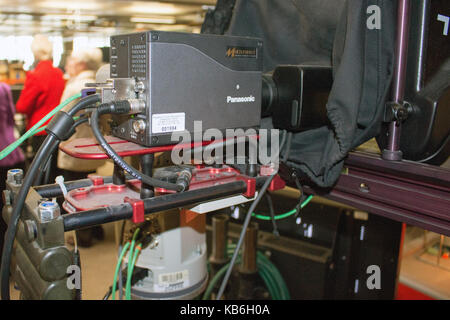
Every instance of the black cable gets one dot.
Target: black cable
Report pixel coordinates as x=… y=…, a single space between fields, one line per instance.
x=41 y=170
x=108 y=293
x=47 y=169
x=302 y=197
x=40 y=157
x=49 y=144
x=245 y=225
x=83 y=119
x=83 y=104
x=272 y=215
x=138 y=275
x=44 y=168
x=118 y=160
x=447 y=140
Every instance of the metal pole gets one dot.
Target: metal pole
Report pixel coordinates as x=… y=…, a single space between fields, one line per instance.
x=124 y=211
x=219 y=239
x=147 y=169
x=248 y=262
x=393 y=152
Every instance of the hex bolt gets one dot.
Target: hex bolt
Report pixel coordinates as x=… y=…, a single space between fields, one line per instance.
x=6 y=195
x=48 y=211
x=364 y=187
x=139 y=87
x=30 y=230
x=153 y=243
x=15 y=176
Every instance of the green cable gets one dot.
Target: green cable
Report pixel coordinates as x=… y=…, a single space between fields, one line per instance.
x=272 y=278
x=268 y=272
x=272 y=269
x=40 y=130
x=283 y=215
x=130 y=272
x=45 y=127
x=122 y=254
x=269 y=282
x=116 y=273
x=36 y=128
x=133 y=241
x=130 y=255
x=214 y=280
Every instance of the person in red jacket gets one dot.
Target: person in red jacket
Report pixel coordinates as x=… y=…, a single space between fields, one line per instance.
x=43 y=87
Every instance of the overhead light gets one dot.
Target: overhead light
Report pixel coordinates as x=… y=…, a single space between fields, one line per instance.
x=153 y=8
x=70 y=5
x=206 y=7
x=75 y=17
x=153 y=20
x=23 y=17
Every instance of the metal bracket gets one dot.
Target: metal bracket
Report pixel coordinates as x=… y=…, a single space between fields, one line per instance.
x=404 y=191
x=397 y=111
x=215 y=205
x=138 y=209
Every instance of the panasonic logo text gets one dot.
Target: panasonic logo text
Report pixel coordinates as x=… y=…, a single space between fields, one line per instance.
x=240 y=99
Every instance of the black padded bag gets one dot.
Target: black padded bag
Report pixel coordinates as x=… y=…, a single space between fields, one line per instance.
x=328 y=32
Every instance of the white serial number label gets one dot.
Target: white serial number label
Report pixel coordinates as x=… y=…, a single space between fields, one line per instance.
x=168 y=122
x=172 y=281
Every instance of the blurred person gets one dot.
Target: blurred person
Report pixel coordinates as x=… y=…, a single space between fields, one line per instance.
x=42 y=90
x=81 y=68
x=16 y=158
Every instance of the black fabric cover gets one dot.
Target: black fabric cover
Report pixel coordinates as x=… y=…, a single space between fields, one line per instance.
x=217 y=20
x=328 y=32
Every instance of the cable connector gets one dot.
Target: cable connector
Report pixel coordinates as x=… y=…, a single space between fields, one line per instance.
x=184 y=178
x=122 y=107
x=61 y=126
x=137 y=105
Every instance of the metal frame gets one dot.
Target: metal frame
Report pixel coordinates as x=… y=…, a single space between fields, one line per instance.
x=405 y=191
x=393 y=151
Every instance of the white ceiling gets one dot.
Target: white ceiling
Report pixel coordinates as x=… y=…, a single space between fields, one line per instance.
x=99 y=16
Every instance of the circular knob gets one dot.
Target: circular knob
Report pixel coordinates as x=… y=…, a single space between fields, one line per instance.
x=139 y=126
x=139 y=87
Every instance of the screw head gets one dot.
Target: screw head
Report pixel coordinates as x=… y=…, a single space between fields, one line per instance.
x=48 y=211
x=401 y=114
x=15 y=176
x=139 y=87
x=364 y=187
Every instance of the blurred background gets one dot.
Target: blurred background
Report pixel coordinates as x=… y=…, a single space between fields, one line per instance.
x=71 y=25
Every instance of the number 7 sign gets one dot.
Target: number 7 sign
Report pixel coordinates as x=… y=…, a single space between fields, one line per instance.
x=445 y=20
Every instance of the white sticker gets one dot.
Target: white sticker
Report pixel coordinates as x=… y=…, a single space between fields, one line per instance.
x=168 y=122
x=172 y=281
